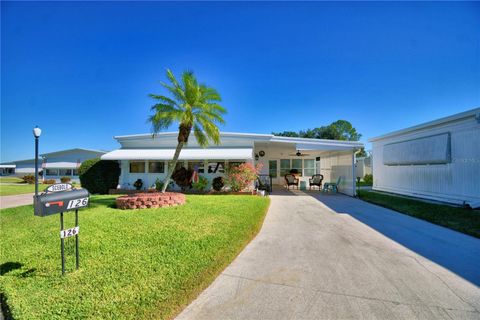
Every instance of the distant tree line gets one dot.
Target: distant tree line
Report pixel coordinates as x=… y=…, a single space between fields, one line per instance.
x=338 y=130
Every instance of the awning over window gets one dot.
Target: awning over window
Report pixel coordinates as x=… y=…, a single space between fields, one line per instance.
x=185 y=154
x=60 y=165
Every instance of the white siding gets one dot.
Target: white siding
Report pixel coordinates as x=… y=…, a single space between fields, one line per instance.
x=455 y=181
x=336 y=165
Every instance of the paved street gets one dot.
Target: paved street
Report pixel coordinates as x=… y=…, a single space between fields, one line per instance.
x=16 y=200
x=335 y=257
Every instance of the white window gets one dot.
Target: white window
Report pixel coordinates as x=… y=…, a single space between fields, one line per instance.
x=51 y=172
x=308 y=167
x=137 y=166
x=65 y=172
x=156 y=167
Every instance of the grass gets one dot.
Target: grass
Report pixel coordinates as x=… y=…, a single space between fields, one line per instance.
x=364 y=184
x=10 y=180
x=455 y=218
x=20 y=188
x=134 y=264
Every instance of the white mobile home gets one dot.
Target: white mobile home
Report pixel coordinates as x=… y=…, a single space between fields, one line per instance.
x=146 y=157
x=55 y=165
x=438 y=160
x=22 y=167
x=65 y=163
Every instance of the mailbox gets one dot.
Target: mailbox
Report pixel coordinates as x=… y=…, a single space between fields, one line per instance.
x=55 y=202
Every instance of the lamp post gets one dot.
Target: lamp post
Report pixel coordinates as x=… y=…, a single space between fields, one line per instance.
x=36 y=133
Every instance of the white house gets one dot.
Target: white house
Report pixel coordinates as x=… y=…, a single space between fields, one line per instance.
x=20 y=167
x=437 y=160
x=146 y=156
x=7 y=169
x=55 y=165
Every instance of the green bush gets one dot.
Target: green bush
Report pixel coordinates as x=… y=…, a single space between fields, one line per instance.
x=65 y=179
x=368 y=178
x=159 y=185
x=98 y=176
x=201 y=185
x=29 y=178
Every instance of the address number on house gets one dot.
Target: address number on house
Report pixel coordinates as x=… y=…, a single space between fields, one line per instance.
x=69 y=232
x=77 y=203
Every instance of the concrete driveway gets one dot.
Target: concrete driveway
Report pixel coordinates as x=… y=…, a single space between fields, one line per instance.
x=335 y=257
x=16 y=200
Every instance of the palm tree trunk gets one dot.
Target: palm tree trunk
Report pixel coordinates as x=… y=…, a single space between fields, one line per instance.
x=174 y=164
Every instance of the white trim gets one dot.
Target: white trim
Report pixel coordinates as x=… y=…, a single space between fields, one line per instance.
x=441 y=121
x=185 y=154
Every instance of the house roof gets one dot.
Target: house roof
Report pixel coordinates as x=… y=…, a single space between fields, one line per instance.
x=458 y=116
x=256 y=137
x=72 y=150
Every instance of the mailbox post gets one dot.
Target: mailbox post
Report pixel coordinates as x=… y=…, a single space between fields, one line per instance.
x=60 y=198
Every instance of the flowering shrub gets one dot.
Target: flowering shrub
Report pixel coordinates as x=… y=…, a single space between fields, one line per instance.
x=240 y=177
x=201 y=185
x=29 y=178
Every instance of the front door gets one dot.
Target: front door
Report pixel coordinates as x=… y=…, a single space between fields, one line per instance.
x=274 y=171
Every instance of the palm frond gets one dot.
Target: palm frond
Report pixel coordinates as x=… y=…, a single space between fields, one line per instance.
x=200 y=135
x=164 y=99
x=210 y=129
x=189 y=103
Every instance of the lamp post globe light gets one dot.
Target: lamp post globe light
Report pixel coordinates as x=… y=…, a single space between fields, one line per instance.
x=36 y=133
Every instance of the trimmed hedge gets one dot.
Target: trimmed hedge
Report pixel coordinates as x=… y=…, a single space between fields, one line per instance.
x=98 y=176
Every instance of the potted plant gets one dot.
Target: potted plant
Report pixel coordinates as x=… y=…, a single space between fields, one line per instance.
x=138 y=184
x=217 y=183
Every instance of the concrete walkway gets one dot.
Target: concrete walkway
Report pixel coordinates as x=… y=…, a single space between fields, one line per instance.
x=335 y=257
x=16 y=200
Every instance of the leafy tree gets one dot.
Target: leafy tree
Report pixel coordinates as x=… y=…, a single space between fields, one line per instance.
x=361 y=153
x=287 y=134
x=338 y=130
x=193 y=106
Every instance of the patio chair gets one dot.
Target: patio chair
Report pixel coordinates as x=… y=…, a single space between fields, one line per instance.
x=316 y=180
x=264 y=182
x=331 y=186
x=291 y=180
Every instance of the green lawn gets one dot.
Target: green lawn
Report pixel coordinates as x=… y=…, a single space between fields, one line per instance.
x=364 y=184
x=10 y=180
x=135 y=264
x=11 y=189
x=459 y=219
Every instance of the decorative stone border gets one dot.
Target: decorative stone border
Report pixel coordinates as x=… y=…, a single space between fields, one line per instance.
x=150 y=200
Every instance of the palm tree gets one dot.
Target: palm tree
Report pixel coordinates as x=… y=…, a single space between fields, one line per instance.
x=193 y=106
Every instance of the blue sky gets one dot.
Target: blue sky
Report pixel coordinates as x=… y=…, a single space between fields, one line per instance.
x=82 y=71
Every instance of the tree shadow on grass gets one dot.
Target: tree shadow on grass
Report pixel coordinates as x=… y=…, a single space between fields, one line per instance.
x=110 y=203
x=9 y=266
x=7 y=313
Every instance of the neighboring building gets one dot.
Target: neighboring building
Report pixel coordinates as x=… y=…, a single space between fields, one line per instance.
x=363 y=166
x=55 y=165
x=146 y=157
x=7 y=169
x=437 y=160
x=22 y=167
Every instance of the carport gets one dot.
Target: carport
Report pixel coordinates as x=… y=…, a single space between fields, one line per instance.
x=333 y=159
